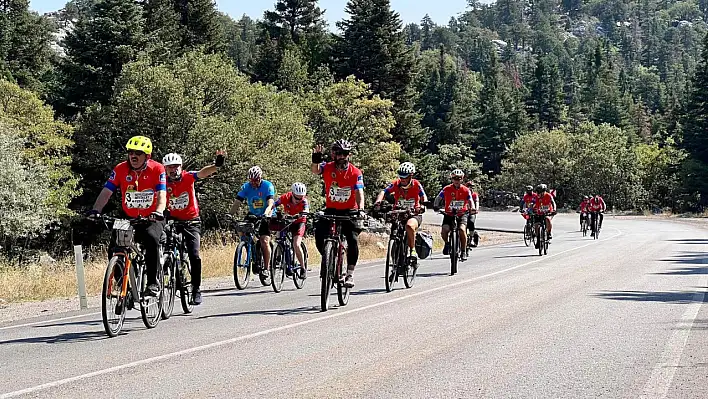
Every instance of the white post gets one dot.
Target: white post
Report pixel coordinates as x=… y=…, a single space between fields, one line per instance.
x=81 y=281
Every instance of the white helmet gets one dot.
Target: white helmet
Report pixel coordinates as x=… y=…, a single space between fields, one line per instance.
x=299 y=189
x=406 y=169
x=457 y=173
x=255 y=173
x=172 y=159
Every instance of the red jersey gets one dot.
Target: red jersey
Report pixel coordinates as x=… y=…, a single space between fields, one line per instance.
x=340 y=185
x=405 y=198
x=596 y=205
x=544 y=203
x=138 y=188
x=475 y=198
x=584 y=205
x=181 y=198
x=529 y=200
x=291 y=208
x=456 y=197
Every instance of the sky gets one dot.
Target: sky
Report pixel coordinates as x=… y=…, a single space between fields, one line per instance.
x=411 y=10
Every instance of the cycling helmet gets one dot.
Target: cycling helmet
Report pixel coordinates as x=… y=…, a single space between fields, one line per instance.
x=406 y=169
x=172 y=159
x=529 y=189
x=139 y=143
x=255 y=173
x=299 y=189
x=457 y=173
x=341 y=145
x=585 y=197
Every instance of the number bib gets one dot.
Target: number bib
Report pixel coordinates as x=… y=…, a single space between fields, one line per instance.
x=139 y=199
x=457 y=204
x=181 y=202
x=340 y=194
x=406 y=204
x=258 y=203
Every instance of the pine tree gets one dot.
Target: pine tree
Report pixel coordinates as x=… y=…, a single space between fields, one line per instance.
x=199 y=20
x=298 y=17
x=162 y=26
x=96 y=51
x=426 y=33
x=545 y=102
x=695 y=121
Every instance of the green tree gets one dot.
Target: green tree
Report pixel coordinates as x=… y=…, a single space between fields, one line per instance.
x=96 y=50
x=545 y=101
x=162 y=26
x=199 y=20
x=298 y=17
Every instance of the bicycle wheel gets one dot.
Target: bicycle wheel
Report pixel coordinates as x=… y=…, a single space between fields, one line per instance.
x=410 y=268
x=299 y=281
x=151 y=306
x=326 y=273
x=242 y=268
x=277 y=268
x=527 y=235
x=391 y=264
x=265 y=280
x=342 y=291
x=541 y=239
x=545 y=244
x=185 y=284
x=454 y=252
x=113 y=304
x=169 y=282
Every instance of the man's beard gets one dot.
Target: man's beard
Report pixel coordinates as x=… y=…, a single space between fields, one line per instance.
x=342 y=163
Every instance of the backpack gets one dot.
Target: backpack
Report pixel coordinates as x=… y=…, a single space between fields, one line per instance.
x=423 y=244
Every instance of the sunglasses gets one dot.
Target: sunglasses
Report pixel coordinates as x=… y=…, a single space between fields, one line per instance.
x=135 y=153
x=341 y=153
x=457 y=178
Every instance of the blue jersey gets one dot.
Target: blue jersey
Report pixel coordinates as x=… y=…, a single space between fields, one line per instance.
x=257 y=198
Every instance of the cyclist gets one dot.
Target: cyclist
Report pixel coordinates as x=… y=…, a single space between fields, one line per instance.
x=545 y=204
x=459 y=196
x=596 y=206
x=142 y=183
x=183 y=206
x=259 y=194
x=583 y=209
x=294 y=203
x=527 y=203
x=407 y=192
x=344 y=194
x=472 y=216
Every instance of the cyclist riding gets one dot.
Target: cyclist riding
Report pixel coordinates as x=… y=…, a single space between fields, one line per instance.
x=472 y=218
x=344 y=194
x=142 y=183
x=545 y=204
x=294 y=203
x=183 y=206
x=407 y=193
x=583 y=209
x=259 y=194
x=596 y=206
x=458 y=196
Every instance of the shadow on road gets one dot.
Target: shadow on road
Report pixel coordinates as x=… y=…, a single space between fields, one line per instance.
x=433 y=274
x=516 y=256
x=75 y=323
x=699 y=259
x=84 y=336
x=691 y=241
x=272 y=312
x=653 y=296
x=369 y=291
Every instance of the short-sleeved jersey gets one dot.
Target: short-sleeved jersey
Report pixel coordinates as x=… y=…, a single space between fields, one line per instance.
x=456 y=197
x=138 y=188
x=596 y=205
x=340 y=185
x=584 y=205
x=529 y=200
x=475 y=198
x=257 y=198
x=181 y=198
x=405 y=198
x=291 y=208
x=544 y=203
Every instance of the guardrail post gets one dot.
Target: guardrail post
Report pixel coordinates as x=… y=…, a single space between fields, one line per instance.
x=80 y=280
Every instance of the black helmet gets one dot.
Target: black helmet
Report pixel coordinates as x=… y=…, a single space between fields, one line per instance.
x=540 y=188
x=342 y=145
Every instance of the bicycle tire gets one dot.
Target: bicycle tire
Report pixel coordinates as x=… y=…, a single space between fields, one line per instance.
x=545 y=245
x=265 y=280
x=108 y=308
x=277 y=268
x=326 y=273
x=342 y=291
x=453 y=251
x=169 y=286
x=527 y=235
x=410 y=268
x=242 y=267
x=151 y=307
x=184 y=275
x=300 y=282
x=391 y=264
x=541 y=243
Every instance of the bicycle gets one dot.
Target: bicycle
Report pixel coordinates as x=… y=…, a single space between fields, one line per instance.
x=333 y=258
x=529 y=232
x=471 y=234
x=177 y=271
x=283 y=259
x=120 y=293
x=594 y=223
x=539 y=219
x=584 y=223
x=453 y=239
x=399 y=261
x=248 y=252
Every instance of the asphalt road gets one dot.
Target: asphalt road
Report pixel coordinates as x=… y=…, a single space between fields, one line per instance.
x=614 y=318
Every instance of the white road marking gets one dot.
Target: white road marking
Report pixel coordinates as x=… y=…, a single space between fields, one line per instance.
x=217 y=344
x=663 y=373
x=49 y=321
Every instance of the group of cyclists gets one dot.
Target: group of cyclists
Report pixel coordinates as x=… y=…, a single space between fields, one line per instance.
x=155 y=191
x=590 y=208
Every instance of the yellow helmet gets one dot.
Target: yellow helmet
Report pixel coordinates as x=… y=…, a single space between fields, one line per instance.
x=139 y=143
